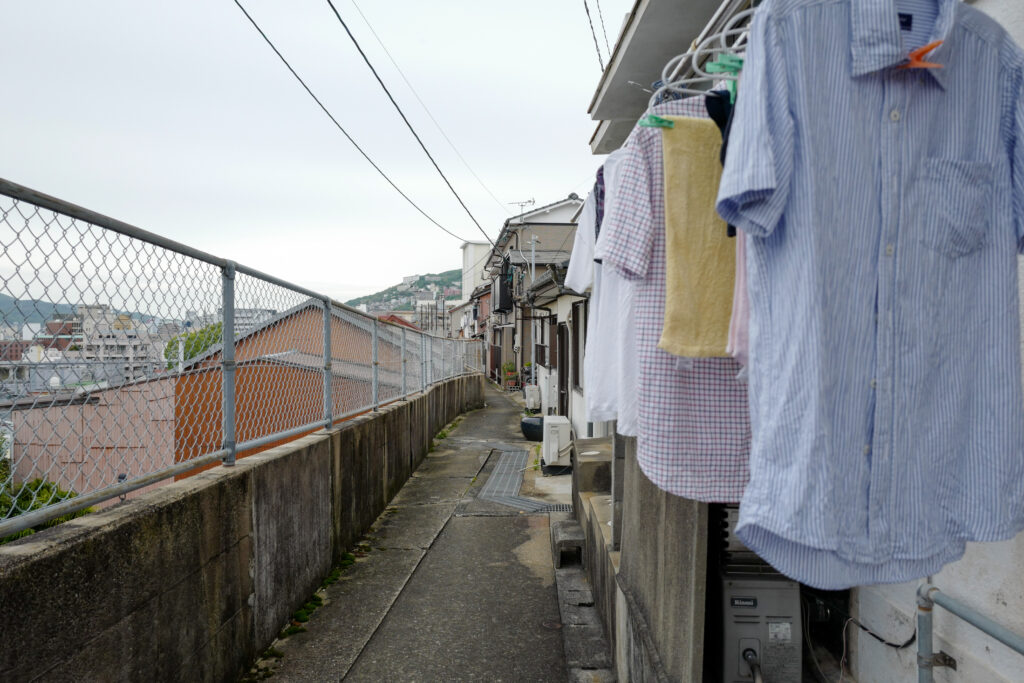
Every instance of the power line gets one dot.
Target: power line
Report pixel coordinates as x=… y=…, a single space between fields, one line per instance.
x=592 y=32
x=427 y=109
x=339 y=126
x=408 y=125
x=600 y=15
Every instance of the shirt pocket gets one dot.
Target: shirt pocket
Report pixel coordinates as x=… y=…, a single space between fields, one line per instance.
x=955 y=199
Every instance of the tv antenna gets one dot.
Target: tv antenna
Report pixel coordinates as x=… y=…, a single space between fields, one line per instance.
x=522 y=205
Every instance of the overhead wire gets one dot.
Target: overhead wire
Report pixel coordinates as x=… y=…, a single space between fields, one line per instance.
x=451 y=144
x=600 y=15
x=407 y=123
x=339 y=126
x=590 y=21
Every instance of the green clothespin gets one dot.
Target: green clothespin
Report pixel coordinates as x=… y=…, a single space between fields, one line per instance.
x=653 y=121
x=727 y=64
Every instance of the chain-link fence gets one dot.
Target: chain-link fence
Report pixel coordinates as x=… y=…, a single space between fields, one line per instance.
x=127 y=359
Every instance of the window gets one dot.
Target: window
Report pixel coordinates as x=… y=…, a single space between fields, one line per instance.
x=542 y=342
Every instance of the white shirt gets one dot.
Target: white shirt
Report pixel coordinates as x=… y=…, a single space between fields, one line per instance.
x=617 y=324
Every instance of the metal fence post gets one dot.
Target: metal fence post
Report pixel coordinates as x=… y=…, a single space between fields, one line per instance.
x=328 y=376
x=376 y=386
x=404 y=392
x=228 y=360
x=423 y=362
x=430 y=359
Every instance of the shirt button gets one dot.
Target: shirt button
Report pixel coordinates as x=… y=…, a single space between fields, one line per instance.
x=874 y=383
x=890 y=250
x=867 y=450
x=894 y=116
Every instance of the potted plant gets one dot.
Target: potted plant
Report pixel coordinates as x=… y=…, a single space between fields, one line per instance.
x=509 y=372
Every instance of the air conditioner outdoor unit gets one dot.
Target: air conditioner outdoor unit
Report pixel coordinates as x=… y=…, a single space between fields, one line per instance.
x=557 y=447
x=549 y=391
x=532 y=394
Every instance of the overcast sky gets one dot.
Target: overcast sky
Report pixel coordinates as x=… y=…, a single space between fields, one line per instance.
x=178 y=118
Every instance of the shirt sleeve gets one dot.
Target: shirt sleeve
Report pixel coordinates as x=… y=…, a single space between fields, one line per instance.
x=759 y=164
x=1017 y=159
x=627 y=232
x=580 y=275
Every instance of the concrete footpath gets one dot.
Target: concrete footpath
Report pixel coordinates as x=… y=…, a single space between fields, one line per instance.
x=446 y=586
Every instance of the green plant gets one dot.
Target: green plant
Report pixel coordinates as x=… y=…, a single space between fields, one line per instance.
x=17 y=499
x=193 y=343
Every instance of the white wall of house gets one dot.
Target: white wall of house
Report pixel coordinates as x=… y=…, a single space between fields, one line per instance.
x=474 y=257
x=989 y=578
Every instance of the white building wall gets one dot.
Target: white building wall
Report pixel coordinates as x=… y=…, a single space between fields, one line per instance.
x=989 y=578
x=474 y=255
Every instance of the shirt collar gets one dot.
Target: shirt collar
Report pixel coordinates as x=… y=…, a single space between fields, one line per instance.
x=876 y=42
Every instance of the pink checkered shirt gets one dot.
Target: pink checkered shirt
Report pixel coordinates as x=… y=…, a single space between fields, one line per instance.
x=694 y=424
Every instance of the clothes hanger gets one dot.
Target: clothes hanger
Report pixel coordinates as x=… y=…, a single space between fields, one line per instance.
x=727 y=67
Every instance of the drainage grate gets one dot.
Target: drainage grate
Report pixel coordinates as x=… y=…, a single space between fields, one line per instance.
x=505 y=481
x=507 y=477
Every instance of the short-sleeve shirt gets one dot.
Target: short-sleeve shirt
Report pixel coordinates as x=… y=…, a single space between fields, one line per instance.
x=693 y=428
x=884 y=207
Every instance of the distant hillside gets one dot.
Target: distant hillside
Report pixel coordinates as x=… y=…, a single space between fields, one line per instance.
x=20 y=311
x=400 y=297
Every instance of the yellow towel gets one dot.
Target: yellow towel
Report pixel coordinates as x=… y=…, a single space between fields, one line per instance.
x=700 y=259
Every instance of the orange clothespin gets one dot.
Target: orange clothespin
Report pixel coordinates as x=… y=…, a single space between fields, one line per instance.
x=917 y=57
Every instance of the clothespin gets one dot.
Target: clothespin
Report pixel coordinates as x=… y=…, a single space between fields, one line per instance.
x=917 y=57
x=727 y=63
x=654 y=121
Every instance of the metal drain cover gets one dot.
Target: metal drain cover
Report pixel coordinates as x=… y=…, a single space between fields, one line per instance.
x=505 y=481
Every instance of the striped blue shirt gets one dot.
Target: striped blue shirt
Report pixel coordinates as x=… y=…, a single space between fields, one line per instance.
x=884 y=209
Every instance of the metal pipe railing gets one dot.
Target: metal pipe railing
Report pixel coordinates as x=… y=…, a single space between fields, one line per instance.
x=259 y=376
x=927 y=597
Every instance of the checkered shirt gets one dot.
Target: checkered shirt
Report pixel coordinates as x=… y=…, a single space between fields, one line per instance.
x=693 y=437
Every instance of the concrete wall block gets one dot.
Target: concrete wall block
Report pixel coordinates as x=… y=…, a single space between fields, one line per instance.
x=664 y=564
x=191 y=580
x=292 y=524
x=107 y=567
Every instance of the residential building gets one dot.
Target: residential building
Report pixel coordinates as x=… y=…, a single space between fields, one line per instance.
x=559 y=329
x=526 y=244
x=474 y=261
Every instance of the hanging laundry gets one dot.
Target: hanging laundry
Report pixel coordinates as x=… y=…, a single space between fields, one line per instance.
x=885 y=208
x=700 y=261
x=693 y=429
x=611 y=348
x=739 y=321
x=720 y=109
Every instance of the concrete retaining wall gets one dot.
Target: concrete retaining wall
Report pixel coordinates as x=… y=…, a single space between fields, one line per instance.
x=193 y=580
x=651 y=593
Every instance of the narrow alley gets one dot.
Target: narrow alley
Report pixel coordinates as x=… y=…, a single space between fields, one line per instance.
x=448 y=585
